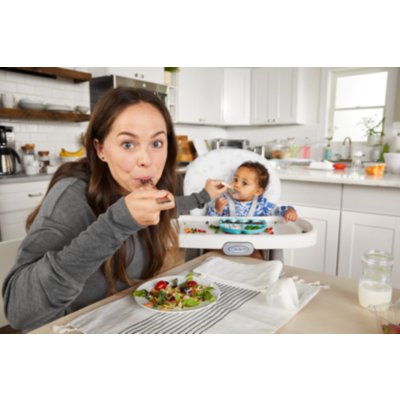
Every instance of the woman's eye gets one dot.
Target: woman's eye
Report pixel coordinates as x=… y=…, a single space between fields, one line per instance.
x=128 y=145
x=158 y=144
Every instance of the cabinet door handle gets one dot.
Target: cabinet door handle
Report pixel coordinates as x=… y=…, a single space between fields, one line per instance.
x=35 y=194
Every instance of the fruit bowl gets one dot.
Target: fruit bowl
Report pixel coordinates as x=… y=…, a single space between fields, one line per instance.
x=375 y=169
x=388 y=317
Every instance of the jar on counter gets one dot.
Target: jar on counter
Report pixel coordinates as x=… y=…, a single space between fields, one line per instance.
x=28 y=154
x=44 y=161
x=375 y=287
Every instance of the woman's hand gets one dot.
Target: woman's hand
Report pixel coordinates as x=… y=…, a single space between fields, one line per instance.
x=215 y=188
x=290 y=215
x=220 y=204
x=145 y=205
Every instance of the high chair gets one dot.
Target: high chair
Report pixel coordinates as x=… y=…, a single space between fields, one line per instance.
x=197 y=231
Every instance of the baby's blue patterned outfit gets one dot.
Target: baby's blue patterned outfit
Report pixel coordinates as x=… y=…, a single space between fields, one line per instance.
x=263 y=208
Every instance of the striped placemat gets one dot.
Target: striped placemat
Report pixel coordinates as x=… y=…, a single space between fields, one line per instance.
x=193 y=322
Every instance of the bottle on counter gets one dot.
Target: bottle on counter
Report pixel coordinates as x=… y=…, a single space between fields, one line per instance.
x=293 y=149
x=44 y=161
x=328 y=152
x=307 y=148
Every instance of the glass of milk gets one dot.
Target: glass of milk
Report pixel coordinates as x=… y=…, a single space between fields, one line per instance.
x=374 y=287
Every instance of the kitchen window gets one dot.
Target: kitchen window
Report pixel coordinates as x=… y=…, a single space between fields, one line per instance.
x=357 y=96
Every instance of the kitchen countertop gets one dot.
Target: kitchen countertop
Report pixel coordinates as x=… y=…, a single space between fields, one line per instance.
x=23 y=178
x=346 y=177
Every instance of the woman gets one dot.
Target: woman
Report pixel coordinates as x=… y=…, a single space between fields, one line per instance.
x=105 y=220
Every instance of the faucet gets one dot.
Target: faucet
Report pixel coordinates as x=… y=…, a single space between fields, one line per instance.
x=347 y=154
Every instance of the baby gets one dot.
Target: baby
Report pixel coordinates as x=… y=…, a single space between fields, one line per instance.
x=245 y=196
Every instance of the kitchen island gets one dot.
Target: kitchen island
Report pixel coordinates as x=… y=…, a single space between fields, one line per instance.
x=352 y=213
x=334 y=309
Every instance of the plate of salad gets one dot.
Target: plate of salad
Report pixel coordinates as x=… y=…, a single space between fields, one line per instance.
x=178 y=293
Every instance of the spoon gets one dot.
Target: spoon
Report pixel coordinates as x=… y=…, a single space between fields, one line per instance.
x=161 y=200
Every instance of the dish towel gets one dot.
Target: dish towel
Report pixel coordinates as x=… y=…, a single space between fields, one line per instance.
x=250 y=276
x=238 y=310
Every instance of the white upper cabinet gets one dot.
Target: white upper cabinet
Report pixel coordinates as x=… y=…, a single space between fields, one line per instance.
x=149 y=74
x=236 y=96
x=278 y=96
x=199 y=96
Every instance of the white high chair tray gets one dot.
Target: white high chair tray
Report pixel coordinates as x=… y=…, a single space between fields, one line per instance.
x=286 y=235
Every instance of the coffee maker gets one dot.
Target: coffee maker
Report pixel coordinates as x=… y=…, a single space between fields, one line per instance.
x=8 y=156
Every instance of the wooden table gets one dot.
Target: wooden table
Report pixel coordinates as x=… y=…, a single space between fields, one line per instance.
x=333 y=310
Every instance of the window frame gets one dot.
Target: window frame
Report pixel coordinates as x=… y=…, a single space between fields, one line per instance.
x=325 y=93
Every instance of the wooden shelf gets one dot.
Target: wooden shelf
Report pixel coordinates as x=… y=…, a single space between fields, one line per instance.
x=43 y=115
x=53 y=72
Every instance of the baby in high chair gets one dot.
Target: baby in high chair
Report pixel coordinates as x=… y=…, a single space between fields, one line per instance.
x=245 y=196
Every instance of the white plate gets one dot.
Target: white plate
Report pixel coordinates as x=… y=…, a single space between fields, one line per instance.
x=58 y=107
x=30 y=105
x=181 y=278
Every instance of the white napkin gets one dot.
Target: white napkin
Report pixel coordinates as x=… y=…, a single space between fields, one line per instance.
x=325 y=165
x=251 y=276
x=283 y=294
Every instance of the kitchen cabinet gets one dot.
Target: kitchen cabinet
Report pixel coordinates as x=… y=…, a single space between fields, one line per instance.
x=236 y=96
x=199 y=96
x=370 y=220
x=361 y=232
x=149 y=74
x=17 y=200
x=349 y=219
x=320 y=204
x=277 y=96
x=323 y=256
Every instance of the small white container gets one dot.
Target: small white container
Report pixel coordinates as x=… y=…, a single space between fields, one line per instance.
x=392 y=161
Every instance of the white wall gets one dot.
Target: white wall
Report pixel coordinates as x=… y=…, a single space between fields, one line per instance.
x=47 y=135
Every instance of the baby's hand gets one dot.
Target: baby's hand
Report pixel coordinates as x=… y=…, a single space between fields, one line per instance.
x=220 y=204
x=290 y=215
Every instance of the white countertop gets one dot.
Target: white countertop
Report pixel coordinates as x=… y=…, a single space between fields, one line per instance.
x=346 y=177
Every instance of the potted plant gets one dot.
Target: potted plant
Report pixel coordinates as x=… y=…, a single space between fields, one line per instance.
x=373 y=131
x=168 y=73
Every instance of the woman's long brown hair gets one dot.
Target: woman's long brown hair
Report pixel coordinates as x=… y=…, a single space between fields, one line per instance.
x=103 y=191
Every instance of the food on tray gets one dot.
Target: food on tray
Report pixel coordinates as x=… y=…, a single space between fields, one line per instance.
x=195 y=230
x=177 y=294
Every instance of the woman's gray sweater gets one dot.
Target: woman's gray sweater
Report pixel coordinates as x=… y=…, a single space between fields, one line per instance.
x=58 y=264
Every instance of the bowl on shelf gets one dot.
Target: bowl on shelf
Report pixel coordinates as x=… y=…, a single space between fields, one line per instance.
x=31 y=104
x=392 y=161
x=388 y=317
x=82 y=109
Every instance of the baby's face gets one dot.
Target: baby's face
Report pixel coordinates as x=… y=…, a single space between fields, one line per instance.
x=245 y=184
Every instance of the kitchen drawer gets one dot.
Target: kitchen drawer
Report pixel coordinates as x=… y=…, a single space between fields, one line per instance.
x=372 y=200
x=21 y=196
x=310 y=194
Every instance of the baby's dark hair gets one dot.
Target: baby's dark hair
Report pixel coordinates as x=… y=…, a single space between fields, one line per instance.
x=260 y=170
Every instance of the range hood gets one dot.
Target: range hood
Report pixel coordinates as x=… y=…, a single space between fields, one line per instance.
x=101 y=84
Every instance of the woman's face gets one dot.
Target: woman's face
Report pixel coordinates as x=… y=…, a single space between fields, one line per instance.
x=245 y=184
x=136 y=147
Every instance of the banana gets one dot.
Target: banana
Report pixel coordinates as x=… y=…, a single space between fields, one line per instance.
x=79 y=153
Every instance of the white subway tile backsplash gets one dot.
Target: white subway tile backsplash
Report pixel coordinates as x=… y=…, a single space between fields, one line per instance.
x=47 y=135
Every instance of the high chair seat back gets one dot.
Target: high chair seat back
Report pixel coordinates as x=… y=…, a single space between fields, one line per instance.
x=222 y=164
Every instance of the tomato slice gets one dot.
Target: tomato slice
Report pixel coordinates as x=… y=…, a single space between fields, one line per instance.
x=161 y=285
x=191 y=284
